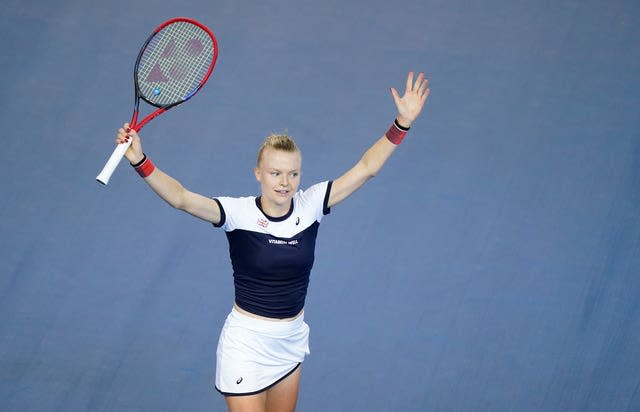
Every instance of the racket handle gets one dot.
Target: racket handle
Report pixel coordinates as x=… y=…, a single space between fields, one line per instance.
x=112 y=163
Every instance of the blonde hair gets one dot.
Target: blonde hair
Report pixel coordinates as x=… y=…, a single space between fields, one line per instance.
x=277 y=141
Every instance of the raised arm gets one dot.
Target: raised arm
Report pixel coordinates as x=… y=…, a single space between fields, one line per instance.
x=409 y=107
x=168 y=188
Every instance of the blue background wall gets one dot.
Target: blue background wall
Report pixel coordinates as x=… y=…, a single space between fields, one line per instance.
x=492 y=266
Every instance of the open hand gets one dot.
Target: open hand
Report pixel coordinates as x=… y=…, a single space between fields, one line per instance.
x=411 y=103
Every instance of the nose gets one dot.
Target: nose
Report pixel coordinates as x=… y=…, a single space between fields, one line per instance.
x=284 y=180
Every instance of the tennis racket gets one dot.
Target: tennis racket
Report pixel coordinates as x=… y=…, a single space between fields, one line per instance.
x=172 y=66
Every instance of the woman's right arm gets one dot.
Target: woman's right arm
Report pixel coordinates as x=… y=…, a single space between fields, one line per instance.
x=168 y=188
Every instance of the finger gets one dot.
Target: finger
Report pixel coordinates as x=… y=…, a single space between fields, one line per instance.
x=423 y=86
x=424 y=97
x=396 y=96
x=409 y=86
x=418 y=82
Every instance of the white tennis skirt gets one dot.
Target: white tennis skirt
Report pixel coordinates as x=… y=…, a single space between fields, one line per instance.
x=255 y=354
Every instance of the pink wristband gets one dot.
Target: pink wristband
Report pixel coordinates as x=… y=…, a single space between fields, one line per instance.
x=145 y=167
x=396 y=133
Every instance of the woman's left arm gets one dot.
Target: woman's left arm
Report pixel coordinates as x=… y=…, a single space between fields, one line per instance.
x=409 y=107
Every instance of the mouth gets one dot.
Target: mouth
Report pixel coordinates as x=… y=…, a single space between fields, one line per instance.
x=282 y=193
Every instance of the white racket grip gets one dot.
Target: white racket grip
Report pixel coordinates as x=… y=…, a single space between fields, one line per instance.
x=112 y=163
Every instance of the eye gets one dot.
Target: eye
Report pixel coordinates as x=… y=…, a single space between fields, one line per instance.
x=275 y=173
x=294 y=174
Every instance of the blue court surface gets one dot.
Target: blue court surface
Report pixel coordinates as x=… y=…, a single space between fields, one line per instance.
x=493 y=265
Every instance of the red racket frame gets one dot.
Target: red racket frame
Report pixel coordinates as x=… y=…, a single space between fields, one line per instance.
x=120 y=149
x=161 y=109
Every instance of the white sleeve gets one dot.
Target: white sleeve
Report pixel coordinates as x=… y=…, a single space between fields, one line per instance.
x=317 y=198
x=231 y=209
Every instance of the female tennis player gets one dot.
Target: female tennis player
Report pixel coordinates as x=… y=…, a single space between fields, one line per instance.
x=271 y=242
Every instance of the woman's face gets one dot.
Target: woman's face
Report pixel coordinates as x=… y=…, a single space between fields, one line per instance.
x=279 y=175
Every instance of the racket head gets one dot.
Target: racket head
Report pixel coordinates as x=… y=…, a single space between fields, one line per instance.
x=175 y=62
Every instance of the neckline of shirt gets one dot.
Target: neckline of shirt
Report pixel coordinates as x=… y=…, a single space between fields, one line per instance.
x=271 y=218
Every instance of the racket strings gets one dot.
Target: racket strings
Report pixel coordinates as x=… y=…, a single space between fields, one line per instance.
x=174 y=63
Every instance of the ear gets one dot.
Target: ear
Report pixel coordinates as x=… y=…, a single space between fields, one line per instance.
x=257 y=173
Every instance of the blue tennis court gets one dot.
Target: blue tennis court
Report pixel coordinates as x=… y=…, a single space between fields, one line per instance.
x=493 y=265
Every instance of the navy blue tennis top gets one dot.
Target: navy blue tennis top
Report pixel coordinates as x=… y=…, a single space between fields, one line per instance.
x=272 y=257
